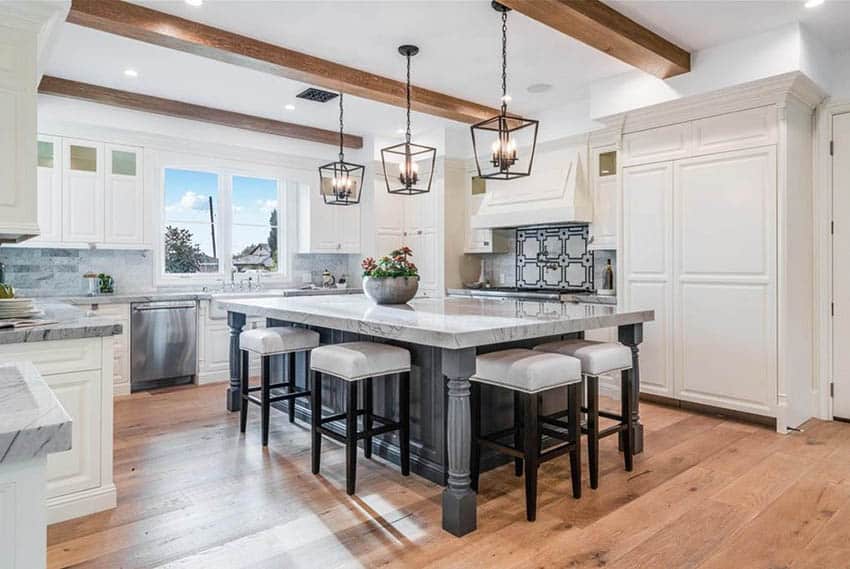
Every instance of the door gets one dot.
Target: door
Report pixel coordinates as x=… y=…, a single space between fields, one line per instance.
x=648 y=266
x=49 y=189
x=841 y=264
x=82 y=191
x=123 y=196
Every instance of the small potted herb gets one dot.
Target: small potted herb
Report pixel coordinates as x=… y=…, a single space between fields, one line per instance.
x=392 y=279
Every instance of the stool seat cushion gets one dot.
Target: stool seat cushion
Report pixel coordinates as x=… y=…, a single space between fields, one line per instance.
x=354 y=361
x=526 y=370
x=278 y=340
x=596 y=357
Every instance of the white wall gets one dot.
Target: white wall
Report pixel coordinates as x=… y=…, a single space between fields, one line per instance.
x=841 y=78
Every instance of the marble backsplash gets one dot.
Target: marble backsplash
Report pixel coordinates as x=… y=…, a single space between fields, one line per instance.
x=59 y=272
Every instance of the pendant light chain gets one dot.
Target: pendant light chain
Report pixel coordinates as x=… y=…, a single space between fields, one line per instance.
x=407 y=132
x=504 y=61
x=341 y=135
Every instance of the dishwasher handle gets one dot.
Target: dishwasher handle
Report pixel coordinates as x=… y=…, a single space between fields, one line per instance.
x=163 y=306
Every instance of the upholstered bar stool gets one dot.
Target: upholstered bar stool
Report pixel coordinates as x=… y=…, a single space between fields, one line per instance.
x=601 y=358
x=356 y=363
x=268 y=342
x=529 y=373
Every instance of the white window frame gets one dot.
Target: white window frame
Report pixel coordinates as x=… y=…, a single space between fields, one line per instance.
x=225 y=170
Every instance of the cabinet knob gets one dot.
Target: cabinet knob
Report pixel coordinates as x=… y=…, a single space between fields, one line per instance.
x=486 y=243
x=419 y=232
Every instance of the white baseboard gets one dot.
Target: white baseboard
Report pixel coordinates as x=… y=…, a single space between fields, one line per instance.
x=121 y=389
x=61 y=508
x=213 y=377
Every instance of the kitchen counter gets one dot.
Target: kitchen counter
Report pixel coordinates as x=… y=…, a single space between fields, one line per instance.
x=158 y=296
x=577 y=297
x=33 y=422
x=70 y=324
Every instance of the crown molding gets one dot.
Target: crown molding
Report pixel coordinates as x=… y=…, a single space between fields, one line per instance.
x=776 y=90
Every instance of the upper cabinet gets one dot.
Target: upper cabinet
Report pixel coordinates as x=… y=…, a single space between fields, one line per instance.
x=89 y=192
x=603 y=166
x=481 y=240
x=324 y=228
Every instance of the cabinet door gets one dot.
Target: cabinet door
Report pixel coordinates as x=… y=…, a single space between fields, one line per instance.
x=123 y=196
x=647 y=266
x=82 y=191
x=49 y=189
x=78 y=468
x=604 y=228
x=725 y=234
x=348 y=228
x=657 y=144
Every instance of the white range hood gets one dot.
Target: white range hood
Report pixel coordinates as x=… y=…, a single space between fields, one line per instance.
x=558 y=191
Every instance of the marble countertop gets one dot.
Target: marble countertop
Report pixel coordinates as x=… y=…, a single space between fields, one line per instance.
x=70 y=324
x=589 y=298
x=454 y=322
x=157 y=296
x=32 y=421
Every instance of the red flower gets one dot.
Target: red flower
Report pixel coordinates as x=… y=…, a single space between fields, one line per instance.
x=368 y=264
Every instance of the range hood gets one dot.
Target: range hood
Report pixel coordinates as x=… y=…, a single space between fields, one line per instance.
x=558 y=191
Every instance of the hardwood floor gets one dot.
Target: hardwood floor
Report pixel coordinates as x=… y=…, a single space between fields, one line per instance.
x=708 y=493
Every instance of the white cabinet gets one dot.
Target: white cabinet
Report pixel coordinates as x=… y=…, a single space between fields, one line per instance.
x=324 y=228
x=120 y=343
x=482 y=240
x=82 y=191
x=124 y=208
x=214 y=343
x=49 y=190
x=603 y=229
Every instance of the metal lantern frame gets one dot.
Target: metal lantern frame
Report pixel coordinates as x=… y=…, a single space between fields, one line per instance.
x=408 y=152
x=503 y=124
x=341 y=170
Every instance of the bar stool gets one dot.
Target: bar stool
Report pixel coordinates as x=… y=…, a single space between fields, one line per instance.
x=529 y=374
x=268 y=342
x=356 y=362
x=601 y=358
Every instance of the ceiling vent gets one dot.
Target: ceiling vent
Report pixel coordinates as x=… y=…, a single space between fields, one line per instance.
x=317 y=95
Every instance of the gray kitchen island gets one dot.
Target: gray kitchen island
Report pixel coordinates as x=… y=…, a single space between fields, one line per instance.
x=443 y=336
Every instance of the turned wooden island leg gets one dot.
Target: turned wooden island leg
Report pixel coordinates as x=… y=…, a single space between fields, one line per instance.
x=631 y=335
x=459 y=500
x=235 y=322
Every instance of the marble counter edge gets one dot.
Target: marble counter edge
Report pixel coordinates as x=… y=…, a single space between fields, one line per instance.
x=130 y=298
x=46 y=429
x=84 y=327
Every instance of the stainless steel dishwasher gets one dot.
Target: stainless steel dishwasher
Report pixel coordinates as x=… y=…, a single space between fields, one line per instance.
x=163 y=344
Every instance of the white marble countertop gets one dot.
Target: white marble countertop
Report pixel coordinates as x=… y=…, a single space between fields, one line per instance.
x=32 y=421
x=454 y=322
x=164 y=295
x=69 y=323
x=580 y=297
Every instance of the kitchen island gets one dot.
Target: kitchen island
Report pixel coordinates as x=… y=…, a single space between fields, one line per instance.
x=444 y=336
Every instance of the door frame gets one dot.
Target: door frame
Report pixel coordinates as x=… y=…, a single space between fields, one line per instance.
x=823 y=190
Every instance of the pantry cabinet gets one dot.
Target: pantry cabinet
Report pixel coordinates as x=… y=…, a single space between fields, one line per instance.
x=706 y=227
x=324 y=228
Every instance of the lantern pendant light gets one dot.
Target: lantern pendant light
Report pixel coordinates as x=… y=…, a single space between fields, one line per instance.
x=340 y=182
x=401 y=162
x=514 y=138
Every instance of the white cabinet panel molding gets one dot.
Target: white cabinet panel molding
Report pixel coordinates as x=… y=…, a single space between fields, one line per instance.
x=753 y=127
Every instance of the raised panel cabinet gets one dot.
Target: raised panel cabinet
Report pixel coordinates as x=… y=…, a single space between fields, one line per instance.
x=82 y=191
x=123 y=195
x=324 y=228
x=49 y=190
x=657 y=144
x=603 y=229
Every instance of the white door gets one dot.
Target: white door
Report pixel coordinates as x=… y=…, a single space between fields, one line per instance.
x=841 y=264
x=49 y=189
x=123 y=196
x=724 y=280
x=648 y=265
x=82 y=191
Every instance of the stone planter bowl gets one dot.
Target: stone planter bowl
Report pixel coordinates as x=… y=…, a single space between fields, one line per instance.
x=391 y=290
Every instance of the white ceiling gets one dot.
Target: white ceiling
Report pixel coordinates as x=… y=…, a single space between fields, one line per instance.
x=460 y=52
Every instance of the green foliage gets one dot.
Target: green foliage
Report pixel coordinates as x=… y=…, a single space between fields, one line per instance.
x=273 y=238
x=396 y=264
x=182 y=254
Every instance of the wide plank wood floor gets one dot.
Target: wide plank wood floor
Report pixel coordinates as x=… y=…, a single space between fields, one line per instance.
x=708 y=493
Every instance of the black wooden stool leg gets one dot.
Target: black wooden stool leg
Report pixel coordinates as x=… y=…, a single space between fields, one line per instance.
x=243 y=386
x=316 y=417
x=475 y=454
x=266 y=397
x=290 y=359
x=351 y=439
x=531 y=452
x=404 y=419
x=574 y=427
x=518 y=432
x=593 y=429
x=626 y=412
x=367 y=416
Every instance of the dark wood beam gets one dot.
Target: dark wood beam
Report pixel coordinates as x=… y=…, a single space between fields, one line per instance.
x=168 y=107
x=602 y=27
x=151 y=26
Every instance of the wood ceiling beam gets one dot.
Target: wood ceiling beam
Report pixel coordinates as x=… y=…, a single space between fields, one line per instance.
x=168 y=107
x=603 y=28
x=151 y=26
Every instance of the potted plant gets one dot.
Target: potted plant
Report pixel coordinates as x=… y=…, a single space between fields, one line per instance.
x=392 y=279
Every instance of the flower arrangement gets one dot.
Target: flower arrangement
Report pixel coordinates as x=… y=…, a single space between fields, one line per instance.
x=396 y=264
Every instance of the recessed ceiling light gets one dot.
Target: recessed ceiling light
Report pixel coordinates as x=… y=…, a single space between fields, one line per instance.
x=289 y=107
x=813 y=3
x=131 y=72
x=539 y=88
x=194 y=2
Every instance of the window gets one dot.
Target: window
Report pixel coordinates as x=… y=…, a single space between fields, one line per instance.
x=215 y=224
x=191 y=210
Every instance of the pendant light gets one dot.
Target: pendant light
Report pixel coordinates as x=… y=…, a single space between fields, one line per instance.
x=511 y=139
x=401 y=162
x=340 y=182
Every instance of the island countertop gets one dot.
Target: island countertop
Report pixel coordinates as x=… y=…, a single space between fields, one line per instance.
x=452 y=323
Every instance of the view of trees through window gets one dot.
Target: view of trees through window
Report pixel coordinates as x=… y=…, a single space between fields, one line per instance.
x=194 y=234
